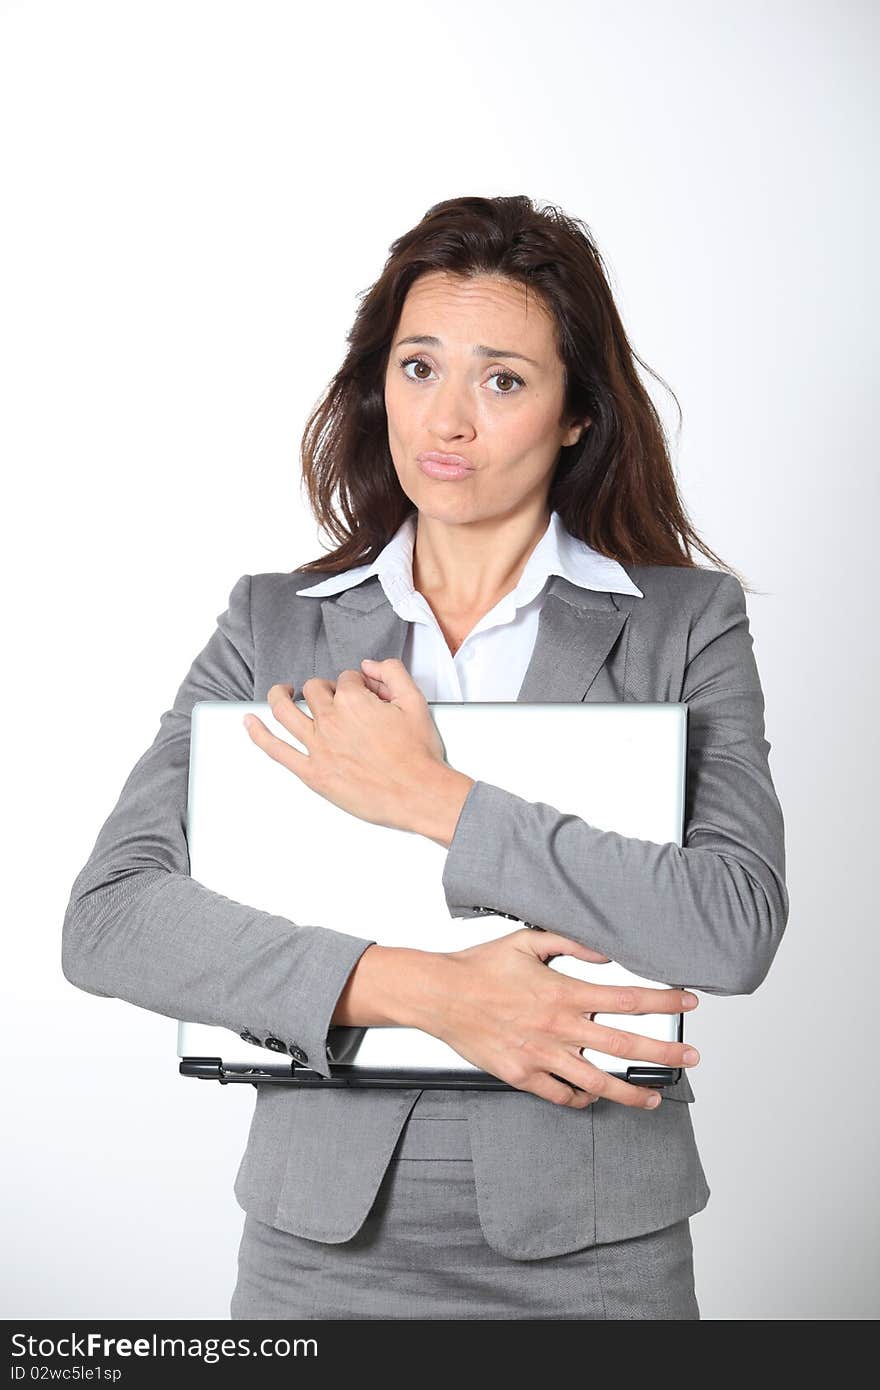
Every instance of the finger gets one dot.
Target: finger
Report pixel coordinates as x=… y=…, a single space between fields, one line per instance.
x=317 y=692
x=378 y=688
x=631 y=999
x=280 y=700
x=552 y=1088
x=372 y=671
x=278 y=748
x=392 y=671
x=547 y=945
x=617 y=1043
x=396 y=682
x=628 y=999
x=350 y=679
x=605 y=1086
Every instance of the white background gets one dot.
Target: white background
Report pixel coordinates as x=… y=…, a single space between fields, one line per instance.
x=193 y=195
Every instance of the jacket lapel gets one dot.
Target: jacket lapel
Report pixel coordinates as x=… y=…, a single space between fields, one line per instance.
x=576 y=632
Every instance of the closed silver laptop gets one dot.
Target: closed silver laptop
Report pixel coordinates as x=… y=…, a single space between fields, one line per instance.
x=259 y=835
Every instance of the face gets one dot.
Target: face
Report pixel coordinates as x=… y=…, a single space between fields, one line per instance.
x=498 y=410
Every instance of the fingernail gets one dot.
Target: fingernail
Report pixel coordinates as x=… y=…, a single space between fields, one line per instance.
x=247 y=721
x=689 y=999
x=652 y=1102
x=691 y=1054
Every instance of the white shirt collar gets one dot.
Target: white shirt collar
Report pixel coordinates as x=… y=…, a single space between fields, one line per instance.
x=557 y=552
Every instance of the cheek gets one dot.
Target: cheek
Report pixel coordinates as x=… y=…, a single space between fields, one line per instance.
x=397 y=407
x=524 y=429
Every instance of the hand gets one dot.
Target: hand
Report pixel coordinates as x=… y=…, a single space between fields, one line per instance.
x=504 y=1010
x=373 y=747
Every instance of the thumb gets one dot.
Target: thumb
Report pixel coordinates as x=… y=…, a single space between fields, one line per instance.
x=547 y=944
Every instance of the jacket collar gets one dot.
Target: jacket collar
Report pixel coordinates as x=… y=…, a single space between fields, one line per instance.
x=578 y=626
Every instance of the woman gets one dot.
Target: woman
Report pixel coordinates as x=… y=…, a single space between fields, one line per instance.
x=507 y=526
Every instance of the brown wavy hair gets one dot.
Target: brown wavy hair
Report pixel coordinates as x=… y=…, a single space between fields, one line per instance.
x=615 y=488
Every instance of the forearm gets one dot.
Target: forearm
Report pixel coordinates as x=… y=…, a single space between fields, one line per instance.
x=709 y=913
x=683 y=916
x=392 y=986
x=167 y=943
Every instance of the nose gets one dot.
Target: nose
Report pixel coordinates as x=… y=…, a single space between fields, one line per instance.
x=451 y=411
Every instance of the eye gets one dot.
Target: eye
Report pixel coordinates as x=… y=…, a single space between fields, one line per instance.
x=410 y=361
x=498 y=373
x=502 y=373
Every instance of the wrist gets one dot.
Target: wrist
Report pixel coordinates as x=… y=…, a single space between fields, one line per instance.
x=423 y=989
x=392 y=986
x=440 y=797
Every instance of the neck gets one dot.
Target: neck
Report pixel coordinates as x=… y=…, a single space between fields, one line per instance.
x=468 y=566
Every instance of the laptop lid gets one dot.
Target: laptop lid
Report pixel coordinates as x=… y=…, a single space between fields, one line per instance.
x=259 y=835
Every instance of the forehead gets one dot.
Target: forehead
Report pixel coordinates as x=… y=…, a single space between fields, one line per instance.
x=457 y=307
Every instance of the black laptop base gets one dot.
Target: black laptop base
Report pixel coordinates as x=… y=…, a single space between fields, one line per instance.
x=290 y=1074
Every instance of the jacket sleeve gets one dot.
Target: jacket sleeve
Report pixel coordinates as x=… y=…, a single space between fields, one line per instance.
x=710 y=913
x=138 y=927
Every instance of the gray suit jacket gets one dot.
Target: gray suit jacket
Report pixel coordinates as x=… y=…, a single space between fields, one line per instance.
x=709 y=915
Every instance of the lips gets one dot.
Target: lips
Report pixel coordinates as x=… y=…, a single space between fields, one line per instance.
x=444 y=467
x=433 y=456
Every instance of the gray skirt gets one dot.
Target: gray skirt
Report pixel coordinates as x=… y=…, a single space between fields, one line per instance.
x=421 y=1253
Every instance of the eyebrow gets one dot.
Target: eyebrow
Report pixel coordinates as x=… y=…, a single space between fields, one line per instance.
x=479 y=350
